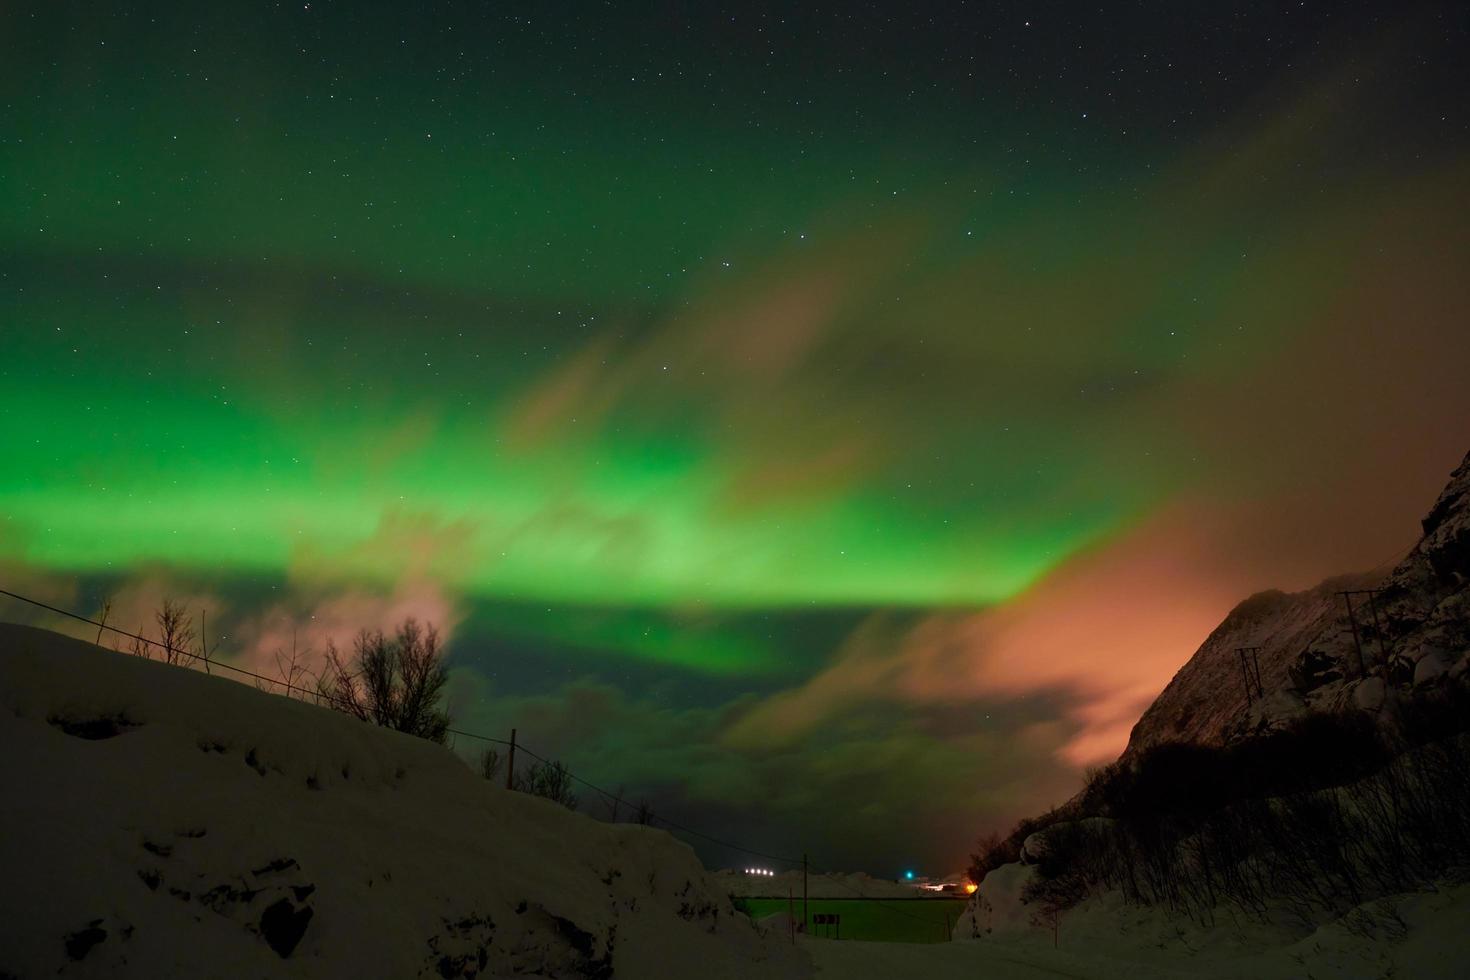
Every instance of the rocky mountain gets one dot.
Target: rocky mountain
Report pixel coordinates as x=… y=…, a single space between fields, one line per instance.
x=1363 y=640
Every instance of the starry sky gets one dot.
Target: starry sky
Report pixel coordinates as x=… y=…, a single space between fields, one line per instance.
x=834 y=425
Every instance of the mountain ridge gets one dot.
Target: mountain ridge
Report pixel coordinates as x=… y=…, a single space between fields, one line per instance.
x=1408 y=628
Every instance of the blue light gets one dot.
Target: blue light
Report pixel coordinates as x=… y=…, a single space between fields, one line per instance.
x=909 y=875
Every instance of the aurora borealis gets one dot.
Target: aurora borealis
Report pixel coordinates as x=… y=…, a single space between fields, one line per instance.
x=836 y=426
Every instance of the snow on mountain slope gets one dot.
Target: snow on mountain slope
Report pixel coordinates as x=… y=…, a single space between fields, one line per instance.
x=1415 y=632
x=156 y=822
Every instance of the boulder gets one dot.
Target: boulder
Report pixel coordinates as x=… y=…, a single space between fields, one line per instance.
x=1368 y=693
x=1432 y=667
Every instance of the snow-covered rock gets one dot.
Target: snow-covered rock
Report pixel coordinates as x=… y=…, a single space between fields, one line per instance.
x=157 y=822
x=997 y=906
x=1369 y=693
x=1429 y=669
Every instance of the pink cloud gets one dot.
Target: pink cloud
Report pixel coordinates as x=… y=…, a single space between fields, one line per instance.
x=1103 y=634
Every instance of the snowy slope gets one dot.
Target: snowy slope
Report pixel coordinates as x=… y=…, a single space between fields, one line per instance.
x=1424 y=935
x=1308 y=658
x=158 y=822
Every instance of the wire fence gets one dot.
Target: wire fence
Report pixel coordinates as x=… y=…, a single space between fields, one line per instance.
x=320 y=696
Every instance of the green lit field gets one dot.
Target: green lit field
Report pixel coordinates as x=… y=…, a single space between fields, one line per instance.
x=887 y=920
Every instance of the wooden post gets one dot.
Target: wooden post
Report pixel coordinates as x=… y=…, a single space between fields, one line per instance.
x=805 y=920
x=510 y=762
x=1347 y=597
x=1250 y=672
x=791 y=915
x=204 y=639
x=1373 y=607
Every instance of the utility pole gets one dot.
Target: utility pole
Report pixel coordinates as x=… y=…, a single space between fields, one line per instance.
x=510 y=762
x=1347 y=598
x=1250 y=672
x=1377 y=626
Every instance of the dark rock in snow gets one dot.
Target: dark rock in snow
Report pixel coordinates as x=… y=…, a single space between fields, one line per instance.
x=283 y=924
x=80 y=943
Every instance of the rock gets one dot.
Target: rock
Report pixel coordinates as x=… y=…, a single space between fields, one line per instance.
x=283 y=924
x=80 y=943
x=1368 y=694
x=1314 y=668
x=1034 y=847
x=997 y=905
x=1430 y=668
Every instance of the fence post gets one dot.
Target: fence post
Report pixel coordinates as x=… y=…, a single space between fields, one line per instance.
x=510 y=762
x=805 y=919
x=204 y=640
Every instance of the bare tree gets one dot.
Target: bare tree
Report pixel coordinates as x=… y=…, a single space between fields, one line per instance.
x=175 y=632
x=490 y=764
x=549 y=780
x=291 y=671
x=394 y=682
x=140 y=647
x=644 y=814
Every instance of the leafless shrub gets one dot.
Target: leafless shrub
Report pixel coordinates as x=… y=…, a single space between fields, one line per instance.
x=643 y=814
x=549 y=780
x=138 y=646
x=293 y=675
x=490 y=764
x=394 y=682
x=1318 y=851
x=176 y=635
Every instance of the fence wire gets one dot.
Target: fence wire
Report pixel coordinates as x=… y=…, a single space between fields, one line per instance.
x=311 y=694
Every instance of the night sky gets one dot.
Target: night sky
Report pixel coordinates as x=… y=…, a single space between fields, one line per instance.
x=834 y=425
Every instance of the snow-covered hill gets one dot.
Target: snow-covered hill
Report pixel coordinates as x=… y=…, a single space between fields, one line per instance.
x=1413 y=633
x=157 y=822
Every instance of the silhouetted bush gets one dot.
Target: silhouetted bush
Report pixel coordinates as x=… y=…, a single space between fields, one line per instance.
x=395 y=682
x=549 y=780
x=176 y=636
x=1332 y=812
x=993 y=850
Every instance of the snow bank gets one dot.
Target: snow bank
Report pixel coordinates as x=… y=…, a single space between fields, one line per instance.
x=159 y=822
x=1425 y=935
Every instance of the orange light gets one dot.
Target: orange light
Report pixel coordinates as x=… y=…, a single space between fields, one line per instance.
x=971 y=888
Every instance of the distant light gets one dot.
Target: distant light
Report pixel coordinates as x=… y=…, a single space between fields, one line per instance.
x=909 y=875
x=971 y=888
